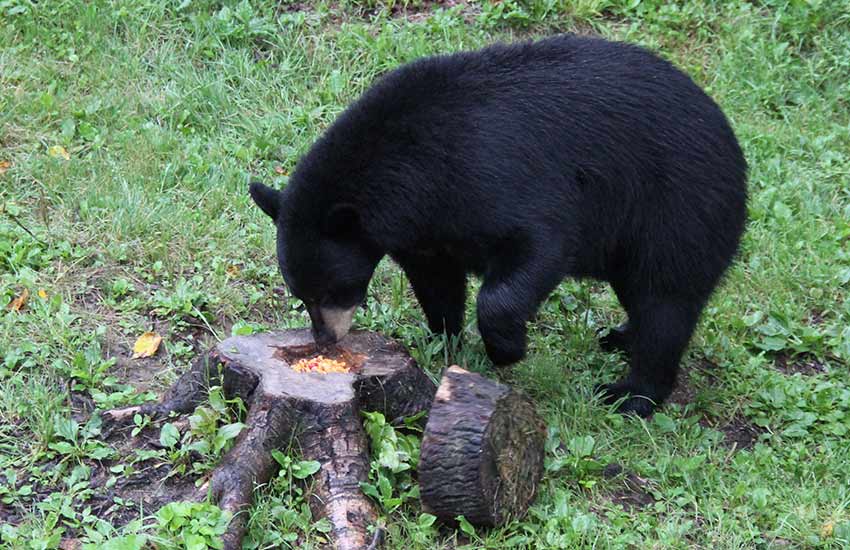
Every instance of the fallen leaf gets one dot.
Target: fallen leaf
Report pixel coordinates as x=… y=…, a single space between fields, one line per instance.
x=4 y=165
x=42 y=294
x=280 y=170
x=826 y=529
x=232 y=270
x=146 y=345
x=70 y=544
x=19 y=302
x=58 y=151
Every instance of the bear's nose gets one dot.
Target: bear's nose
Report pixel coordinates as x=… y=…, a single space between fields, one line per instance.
x=321 y=333
x=323 y=337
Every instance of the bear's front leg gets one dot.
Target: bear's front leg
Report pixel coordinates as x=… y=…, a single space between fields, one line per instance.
x=508 y=299
x=439 y=283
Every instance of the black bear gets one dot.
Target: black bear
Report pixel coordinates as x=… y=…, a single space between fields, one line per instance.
x=522 y=164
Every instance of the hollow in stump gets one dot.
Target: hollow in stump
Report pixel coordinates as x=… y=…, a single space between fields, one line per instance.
x=318 y=410
x=482 y=451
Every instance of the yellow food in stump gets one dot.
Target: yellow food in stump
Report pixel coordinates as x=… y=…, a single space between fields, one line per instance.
x=320 y=364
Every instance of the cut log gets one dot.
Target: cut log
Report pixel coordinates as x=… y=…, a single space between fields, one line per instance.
x=319 y=411
x=482 y=452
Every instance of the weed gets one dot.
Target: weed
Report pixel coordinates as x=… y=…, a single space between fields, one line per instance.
x=211 y=433
x=79 y=442
x=191 y=525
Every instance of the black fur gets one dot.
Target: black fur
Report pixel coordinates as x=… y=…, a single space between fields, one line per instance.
x=524 y=164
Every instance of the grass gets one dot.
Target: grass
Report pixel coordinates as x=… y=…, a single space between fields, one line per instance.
x=166 y=109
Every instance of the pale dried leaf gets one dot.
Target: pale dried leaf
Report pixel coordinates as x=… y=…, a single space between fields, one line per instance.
x=19 y=302
x=827 y=529
x=146 y=345
x=59 y=152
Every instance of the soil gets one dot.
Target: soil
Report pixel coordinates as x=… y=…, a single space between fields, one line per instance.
x=634 y=493
x=423 y=11
x=739 y=433
x=686 y=390
x=8 y=514
x=805 y=364
x=816 y=318
x=149 y=489
x=411 y=12
x=144 y=373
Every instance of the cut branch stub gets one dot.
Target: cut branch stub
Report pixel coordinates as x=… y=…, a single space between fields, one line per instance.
x=318 y=411
x=482 y=452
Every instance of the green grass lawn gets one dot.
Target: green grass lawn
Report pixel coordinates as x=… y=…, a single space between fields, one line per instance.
x=128 y=132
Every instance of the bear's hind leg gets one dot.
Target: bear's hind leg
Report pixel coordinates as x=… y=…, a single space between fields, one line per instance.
x=618 y=339
x=439 y=284
x=662 y=329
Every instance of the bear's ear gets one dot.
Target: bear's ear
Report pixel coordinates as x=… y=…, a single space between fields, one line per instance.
x=267 y=199
x=341 y=221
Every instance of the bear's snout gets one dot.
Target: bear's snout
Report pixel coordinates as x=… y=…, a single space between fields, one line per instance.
x=330 y=324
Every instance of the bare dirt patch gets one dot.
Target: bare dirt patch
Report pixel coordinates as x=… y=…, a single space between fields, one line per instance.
x=116 y=498
x=816 y=318
x=805 y=364
x=149 y=489
x=427 y=7
x=740 y=433
x=419 y=11
x=687 y=389
x=634 y=493
x=8 y=514
x=144 y=373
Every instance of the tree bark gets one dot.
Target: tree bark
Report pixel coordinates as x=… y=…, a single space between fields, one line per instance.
x=320 y=412
x=482 y=452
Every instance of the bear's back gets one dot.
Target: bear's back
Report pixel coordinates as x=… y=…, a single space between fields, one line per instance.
x=565 y=131
x=586 y=95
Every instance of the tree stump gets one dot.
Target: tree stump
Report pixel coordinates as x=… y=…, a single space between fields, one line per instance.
x=482 y=452
x=319 y=411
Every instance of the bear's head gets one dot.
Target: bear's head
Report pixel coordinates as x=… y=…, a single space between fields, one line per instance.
x=323 y=256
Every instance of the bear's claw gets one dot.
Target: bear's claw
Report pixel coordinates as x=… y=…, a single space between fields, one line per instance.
x=630 y=400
